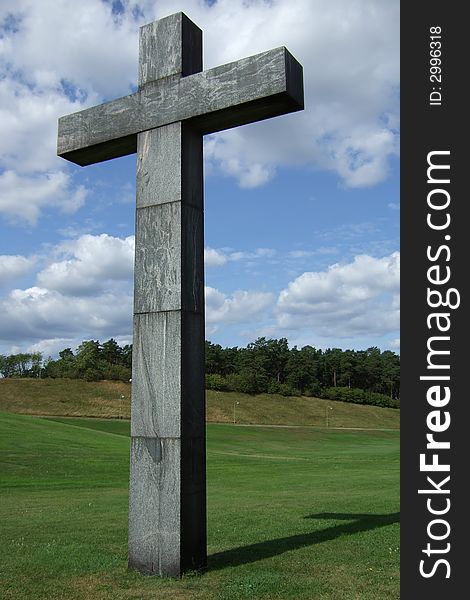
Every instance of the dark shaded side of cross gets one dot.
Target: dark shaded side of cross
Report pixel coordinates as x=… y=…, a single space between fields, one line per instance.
x=164 y=122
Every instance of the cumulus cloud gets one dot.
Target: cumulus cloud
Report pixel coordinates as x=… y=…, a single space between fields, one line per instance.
x=85 y=291
x=91 y=264
x=56 y=61
x=12 y=267
x=53 y=62
x=28 y=123
x=214 y=258
x=349 y=50
x=22 y=197
x=38 y=314
x=89 y=47
x=346 y=300
x=52 y=347
x=89 y=295
x=33 y=178
x=241 y=307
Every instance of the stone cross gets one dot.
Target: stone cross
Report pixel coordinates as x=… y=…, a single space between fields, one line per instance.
x=164 y=121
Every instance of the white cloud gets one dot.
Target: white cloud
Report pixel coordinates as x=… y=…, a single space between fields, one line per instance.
x=82 y=44
x=250 y=255
x=218 y=257
x=37 y=314
x=12 y=267
x=57 y=60
x=224 y=150
x=84 y=292
x=361 y=158
x=322 y=250
x=350 y=53
x=346 y=300
x=22 y=197
x=214 y=258
x=28 y=124
x=91 y=265
x=52 y=347
x=241 y=307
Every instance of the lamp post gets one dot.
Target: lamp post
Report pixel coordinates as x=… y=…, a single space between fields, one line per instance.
x=234 y=406
x=327 y=408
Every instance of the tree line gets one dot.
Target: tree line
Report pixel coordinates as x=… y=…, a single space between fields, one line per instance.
x=269 y=365
x=263 y=366
x=91 y=361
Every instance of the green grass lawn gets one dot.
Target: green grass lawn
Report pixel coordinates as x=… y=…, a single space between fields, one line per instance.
x=299 y=513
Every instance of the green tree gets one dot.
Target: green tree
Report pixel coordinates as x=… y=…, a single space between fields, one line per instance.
x=213 y=358
x=346 y=369
x=373 y=369
x=268 y=356
x=88 y=360
x=390 y=374
x=302 y=367
x=126 y=356
x=23 y=364
x=3 y=365
x=36 y=364
x=111 y=352
x=248 y=381
x=332 y=365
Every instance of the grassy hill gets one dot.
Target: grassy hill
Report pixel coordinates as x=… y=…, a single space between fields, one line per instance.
x=111 y=399
x=293 y=514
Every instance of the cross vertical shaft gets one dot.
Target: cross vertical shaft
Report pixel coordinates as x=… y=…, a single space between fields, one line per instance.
x=167 y=505
x=164 y=121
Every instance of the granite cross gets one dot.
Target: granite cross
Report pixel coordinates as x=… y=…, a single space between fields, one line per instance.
x=164 y=121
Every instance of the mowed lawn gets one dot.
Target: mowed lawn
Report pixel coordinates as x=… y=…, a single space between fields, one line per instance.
x=301 y=513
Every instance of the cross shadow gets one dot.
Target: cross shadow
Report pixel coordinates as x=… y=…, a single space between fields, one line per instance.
x=269 y=548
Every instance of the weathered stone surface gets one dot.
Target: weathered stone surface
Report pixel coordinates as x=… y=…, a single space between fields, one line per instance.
x=155 y=506
x=167 y=509
x=159 y=161
x=176 y=104
x=255 y=88
x=156 y=375
x=169 y=46
x=169 y=259
x=169 y=166
x=157 y=273
x=168 y=358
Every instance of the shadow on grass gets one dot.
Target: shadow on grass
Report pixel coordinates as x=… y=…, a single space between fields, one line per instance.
x=261 y=550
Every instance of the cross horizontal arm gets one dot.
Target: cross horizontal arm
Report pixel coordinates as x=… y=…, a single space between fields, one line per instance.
x=254 y=88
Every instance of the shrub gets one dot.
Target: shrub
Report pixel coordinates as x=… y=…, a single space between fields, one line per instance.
x=358 y=396
x=216 y=382
x=92 y=375
x=247 y=382
x=284 y=389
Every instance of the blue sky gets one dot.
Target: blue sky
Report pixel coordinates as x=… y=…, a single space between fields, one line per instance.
x=302 y=211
